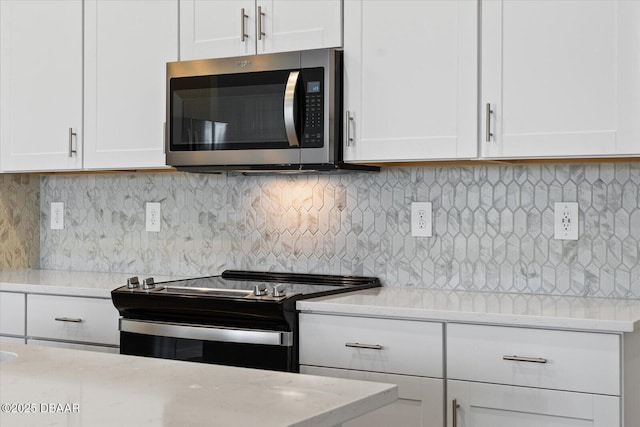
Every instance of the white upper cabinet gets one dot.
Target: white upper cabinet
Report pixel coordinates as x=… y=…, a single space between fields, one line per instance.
x=127 y=46
x=562 y=78
x=410 y=70
x=40 y=85
x=218 y=29
x=289 y=25
x=212 y=29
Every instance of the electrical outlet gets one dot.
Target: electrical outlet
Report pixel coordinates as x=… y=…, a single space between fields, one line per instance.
x=153 y=217
x=57 y=215
x=421 y=219
x=565 y=221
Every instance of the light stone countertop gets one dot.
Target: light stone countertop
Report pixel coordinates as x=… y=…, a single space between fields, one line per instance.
x=76 y=283
x=598 y=314
x=117 y=390
x=594 y=314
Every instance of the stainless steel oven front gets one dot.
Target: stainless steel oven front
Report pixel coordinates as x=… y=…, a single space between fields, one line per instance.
x=251 y=348
x=240 y=318
x=258 y=111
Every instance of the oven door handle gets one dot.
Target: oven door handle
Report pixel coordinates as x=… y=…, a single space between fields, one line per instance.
x=289 y=111
x=207 y=332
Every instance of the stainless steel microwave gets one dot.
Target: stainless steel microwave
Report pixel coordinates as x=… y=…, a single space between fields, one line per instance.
x=277 y=112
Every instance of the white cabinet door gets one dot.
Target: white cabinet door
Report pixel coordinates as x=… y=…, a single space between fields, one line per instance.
x=41 y=85
x=410 y=80
x=288 y=25
x=220 y=29
x=127 y=44
x=214 y=28
x=490 y=405
x=561 y=77
x=419 y=401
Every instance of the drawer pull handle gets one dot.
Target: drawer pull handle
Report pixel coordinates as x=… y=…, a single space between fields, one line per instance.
x=367 y=346
x=69 y=319
x=525 y=359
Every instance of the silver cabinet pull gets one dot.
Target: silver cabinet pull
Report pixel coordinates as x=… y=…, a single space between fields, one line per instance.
x=261 y=14
x=454 y=413
x=488 y=114
x=243 y=30
x=68 y=319
x=72 y=150
x=367 y=346
x=349 y=122
x=515 y=358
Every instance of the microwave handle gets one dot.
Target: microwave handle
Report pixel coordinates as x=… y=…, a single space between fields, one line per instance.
x=289 y=113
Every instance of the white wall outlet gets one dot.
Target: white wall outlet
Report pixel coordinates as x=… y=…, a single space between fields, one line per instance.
x=421 y=219
x=565 y=221
x=152 y=217
x=57 y=215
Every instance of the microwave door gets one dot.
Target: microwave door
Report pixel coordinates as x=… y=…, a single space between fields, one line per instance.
x=234 y=119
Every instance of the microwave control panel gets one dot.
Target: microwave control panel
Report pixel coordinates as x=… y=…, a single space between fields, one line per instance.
x=313 y=131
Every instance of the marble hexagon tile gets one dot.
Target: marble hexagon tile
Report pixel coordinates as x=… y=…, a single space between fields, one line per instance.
x=493 y=226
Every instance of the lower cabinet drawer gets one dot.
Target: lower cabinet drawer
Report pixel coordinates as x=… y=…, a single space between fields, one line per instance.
x=12 y=308
x=77 y=319
x=561 y=360
x=371 y=344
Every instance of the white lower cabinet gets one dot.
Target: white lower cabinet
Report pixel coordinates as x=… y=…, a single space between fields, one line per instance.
x=496 y=376
x=403 y=352
x=77 y=322
x=12 y=314
x=510 y=376
x=419 y=399
x=491 y=405
x=72 y=319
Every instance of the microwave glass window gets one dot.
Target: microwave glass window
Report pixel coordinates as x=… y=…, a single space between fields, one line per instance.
x=229 y=112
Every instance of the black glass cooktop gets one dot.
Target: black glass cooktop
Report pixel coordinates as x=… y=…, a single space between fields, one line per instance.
x=231 y=299
x=235 y=284
x=241 y=284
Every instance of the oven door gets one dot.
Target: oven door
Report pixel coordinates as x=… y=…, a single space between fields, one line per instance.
x=249 y=348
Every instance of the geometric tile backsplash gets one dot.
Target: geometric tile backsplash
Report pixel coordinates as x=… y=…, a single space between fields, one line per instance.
x=492 y=226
